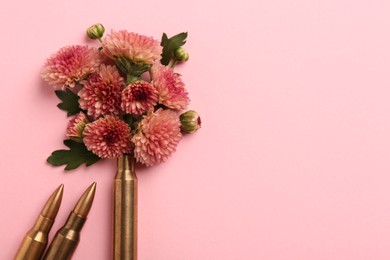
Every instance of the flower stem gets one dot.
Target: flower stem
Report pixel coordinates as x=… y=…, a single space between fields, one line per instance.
x=173 y=64
x=131 y=78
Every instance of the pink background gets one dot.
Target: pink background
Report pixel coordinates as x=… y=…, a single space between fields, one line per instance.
x=292 y=161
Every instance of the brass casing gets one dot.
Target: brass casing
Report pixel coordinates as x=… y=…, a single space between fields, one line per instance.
x=66 y=239
x=125 y=210
x=35 y=241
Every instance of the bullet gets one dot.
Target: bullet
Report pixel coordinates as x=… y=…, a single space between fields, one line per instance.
x=36 y=239
x=125 y=210
x=67 y=238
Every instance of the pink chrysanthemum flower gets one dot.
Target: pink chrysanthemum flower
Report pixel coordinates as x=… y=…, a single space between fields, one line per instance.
x=107 y=137
x=137 y=48
x=139 y=97
x=70 y=64
x=101 y=94
x=76 y=127
x=157 y=136
x=171 y=90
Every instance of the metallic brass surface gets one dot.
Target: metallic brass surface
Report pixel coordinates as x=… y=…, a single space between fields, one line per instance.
x=125 y=210
x=85 y=202
x=35 y=241
x=67 y=238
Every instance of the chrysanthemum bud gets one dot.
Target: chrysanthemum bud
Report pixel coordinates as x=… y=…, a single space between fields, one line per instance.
x=190 y=121
x=181 y=54
x=96 y=31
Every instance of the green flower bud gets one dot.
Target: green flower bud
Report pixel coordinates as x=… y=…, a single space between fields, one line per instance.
x=190 y=122
x=181 y=54
x=96 y=31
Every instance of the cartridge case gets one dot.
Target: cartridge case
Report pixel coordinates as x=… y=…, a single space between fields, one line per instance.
x=125 y=210
x=67 y=238
x=36 y=239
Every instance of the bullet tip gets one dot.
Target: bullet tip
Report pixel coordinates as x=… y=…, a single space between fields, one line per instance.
x=84 y=204
x=52 y=205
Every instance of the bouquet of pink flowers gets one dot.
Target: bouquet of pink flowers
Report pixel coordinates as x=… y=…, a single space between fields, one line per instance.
x=124 y=96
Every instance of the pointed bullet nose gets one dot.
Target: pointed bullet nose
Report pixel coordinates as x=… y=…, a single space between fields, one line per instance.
x=85 y=202
x=52 y=205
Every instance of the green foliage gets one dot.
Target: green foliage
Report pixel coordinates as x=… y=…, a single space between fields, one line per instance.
x=70 y=101
x=170 y=45
x=132 y=120
x=73 y=158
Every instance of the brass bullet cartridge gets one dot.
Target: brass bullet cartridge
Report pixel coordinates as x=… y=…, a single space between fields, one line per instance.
x=67 y=238
x=125 y=210
x=35 y=241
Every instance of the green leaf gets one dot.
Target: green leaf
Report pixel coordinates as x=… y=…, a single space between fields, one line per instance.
x=73 y=158
x=170 y=45
x=70 y=101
